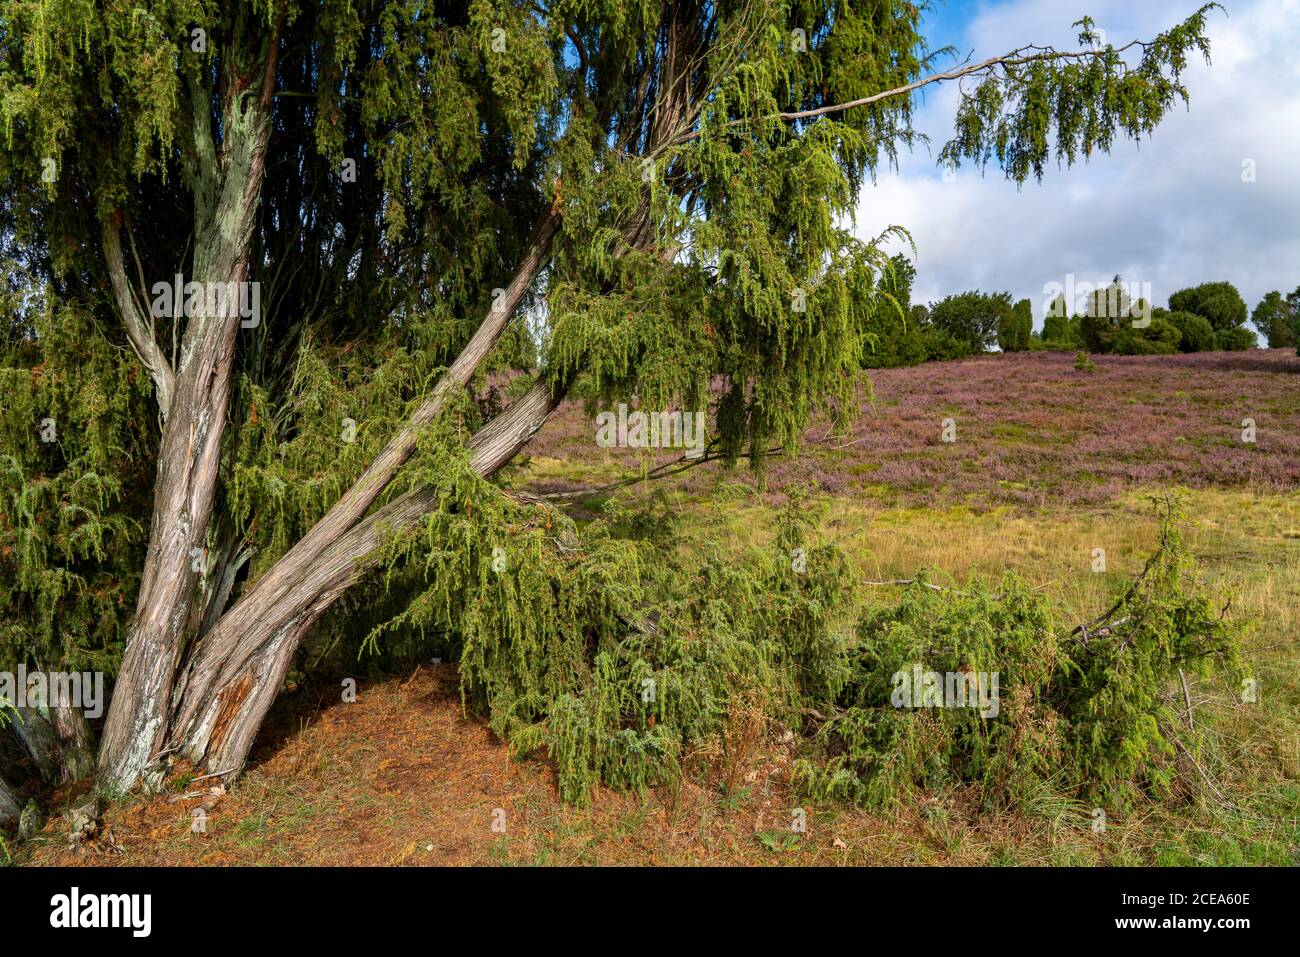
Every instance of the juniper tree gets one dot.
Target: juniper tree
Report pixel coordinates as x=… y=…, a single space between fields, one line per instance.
x=1273 y=317
x=669 y=184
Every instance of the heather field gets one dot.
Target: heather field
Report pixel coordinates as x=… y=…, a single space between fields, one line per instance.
x=1030 y=430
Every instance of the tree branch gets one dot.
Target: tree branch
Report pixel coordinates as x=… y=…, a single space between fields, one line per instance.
x=138 y=332
x=1015 y=58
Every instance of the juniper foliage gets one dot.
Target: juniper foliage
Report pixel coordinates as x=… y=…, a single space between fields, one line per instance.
x=705 y=160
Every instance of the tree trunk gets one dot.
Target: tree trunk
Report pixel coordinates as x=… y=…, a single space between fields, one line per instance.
x=11 y=805
x=189 y=459
x=76 y=743
x=39 y=740
x=60 y=743
x=215 y=727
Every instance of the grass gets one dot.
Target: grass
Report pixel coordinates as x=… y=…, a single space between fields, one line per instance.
x=1050 y=466
x=404 y=777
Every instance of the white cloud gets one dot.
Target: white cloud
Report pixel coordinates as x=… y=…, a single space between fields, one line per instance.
x=1172 y=211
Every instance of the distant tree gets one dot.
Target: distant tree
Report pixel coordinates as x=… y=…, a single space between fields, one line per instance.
x=1060 y=329
x=891 y=337
x=1196 y=331
x=1293 y=300
x=1016 y=328
x=972 y=317
x=1219 y=302
x=1109 y=311
x=1275 y=318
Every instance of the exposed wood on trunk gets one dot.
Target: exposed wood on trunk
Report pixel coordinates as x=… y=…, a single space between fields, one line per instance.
x=138 y=329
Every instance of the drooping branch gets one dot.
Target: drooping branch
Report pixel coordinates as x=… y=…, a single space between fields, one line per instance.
x=1167 y=49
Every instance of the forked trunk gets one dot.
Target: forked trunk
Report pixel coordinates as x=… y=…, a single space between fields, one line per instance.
x=189 y=458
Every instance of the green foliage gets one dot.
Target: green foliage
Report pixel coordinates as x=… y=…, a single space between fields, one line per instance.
x=74 y=481
x=1158 y=337
x=1016 y=328
x=1275 y=318
x=972 y=318
x=1088 y=712
x=704 y=238
x=895 y=334
x=1083 y=363
x=1293 y=302
x=1237 y=339
x=1107 y=319
x=1037 y=107
x=1060 y=329
x=1219 y=302
x=598 y=649
x=1195 y=332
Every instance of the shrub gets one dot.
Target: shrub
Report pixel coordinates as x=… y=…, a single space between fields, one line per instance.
x=1087 y=710
x=1219 y=302
x=1061 y=331
x=1197 y=335
x=1235 y=340
x=940 y=345
x=1160 y=337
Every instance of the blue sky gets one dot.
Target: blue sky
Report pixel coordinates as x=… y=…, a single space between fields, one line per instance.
x=1171 y=211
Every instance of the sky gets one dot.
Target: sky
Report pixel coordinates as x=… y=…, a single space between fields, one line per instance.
x=1172 y=211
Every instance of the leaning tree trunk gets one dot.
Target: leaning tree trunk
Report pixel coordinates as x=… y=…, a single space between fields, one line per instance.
x=237 y=668
x=216 y=727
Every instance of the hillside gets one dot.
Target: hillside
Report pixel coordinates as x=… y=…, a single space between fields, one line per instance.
x=1049 y=463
